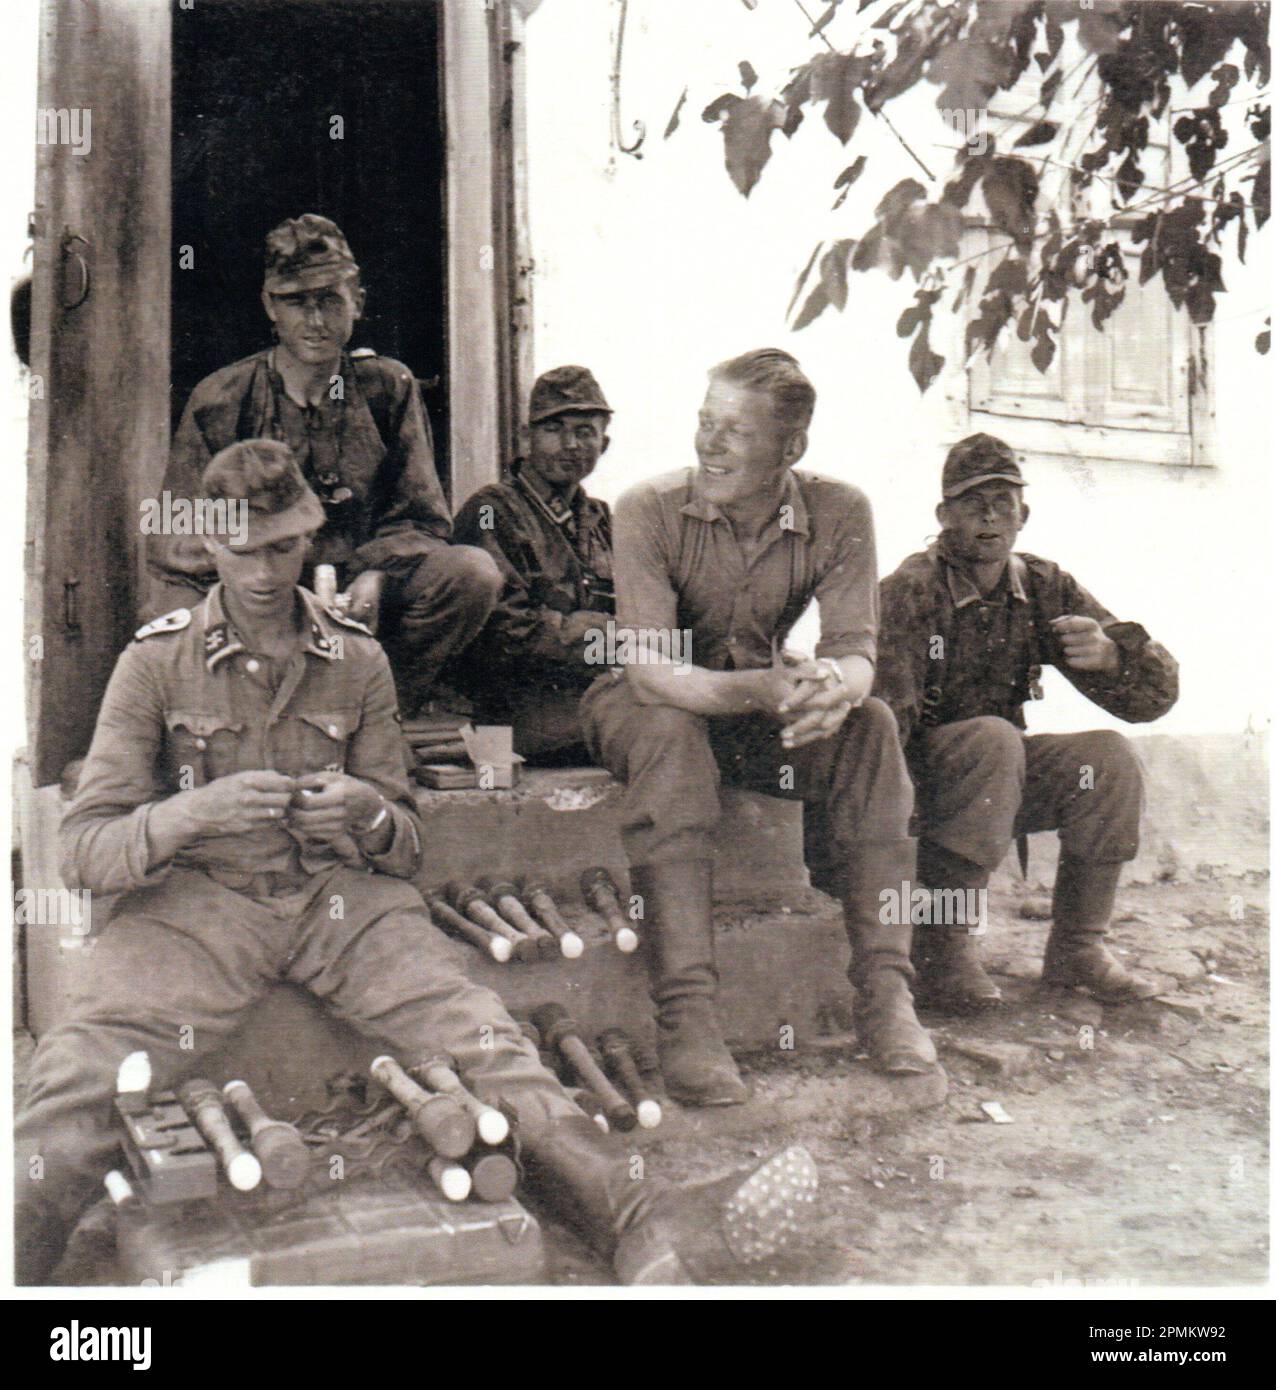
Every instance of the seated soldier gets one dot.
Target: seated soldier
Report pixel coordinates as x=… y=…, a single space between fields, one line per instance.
x=967 y=626
x=552 y=544
x=356 y=425
x=277 y=716
x=728 y=555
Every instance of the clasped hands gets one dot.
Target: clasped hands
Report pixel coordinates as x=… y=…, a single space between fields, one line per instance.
x=812 y=698
x=319 y=807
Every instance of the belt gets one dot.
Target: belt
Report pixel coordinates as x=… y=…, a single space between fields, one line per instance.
x=263 y=885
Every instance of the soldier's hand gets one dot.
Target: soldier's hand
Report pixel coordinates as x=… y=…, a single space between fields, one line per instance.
x=244 y=801
x=822 y=699
x=364 y=594
x=576 y=626
x=768 y=690
x=1086 y=647
x=328 y=804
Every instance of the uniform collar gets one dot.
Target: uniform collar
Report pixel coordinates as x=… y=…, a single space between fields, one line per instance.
x=221 y=640
x=962 y=589
x=797 y=520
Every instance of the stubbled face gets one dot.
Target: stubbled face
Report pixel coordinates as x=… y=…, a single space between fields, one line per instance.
x=983 y=524
x=565 y=449
x=260 y=579
x=314 y=325
x=743 y=449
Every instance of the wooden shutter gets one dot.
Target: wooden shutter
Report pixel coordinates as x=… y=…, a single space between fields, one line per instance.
x=100 y=348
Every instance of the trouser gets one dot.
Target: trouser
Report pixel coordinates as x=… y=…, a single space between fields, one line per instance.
x=181 y=962
x=854 y=785
x=982 y=782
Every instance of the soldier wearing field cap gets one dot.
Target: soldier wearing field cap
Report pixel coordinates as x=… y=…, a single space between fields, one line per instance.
x=356 y=425
x=552 y=543
x=967 y=626
x=244 y=781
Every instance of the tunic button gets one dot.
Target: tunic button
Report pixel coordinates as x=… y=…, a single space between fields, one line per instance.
x=201 y=744
x=252 y=665
x=332 y=731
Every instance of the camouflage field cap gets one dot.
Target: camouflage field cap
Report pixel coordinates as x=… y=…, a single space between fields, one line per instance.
x=264 y=476
x=564 y=389
x=979 y=458
x=306 y=253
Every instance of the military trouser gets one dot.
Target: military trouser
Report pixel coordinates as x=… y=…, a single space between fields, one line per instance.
x=180 y=964
x=854 y=786
x=981 y=782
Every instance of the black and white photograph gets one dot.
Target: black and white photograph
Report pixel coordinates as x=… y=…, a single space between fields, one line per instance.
x=639 y=657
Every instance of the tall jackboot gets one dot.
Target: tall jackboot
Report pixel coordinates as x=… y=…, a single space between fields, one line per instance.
x=881 y=969
x=950 y=976
x=1084 y=895
x=655 y=1233
x=678 y=944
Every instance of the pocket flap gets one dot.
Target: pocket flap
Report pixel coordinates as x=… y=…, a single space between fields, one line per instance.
x=336 y=723
x=201 y=725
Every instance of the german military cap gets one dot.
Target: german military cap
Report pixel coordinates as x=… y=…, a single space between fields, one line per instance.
x=274 y=502
x=564 y=389
x=979 y=458
x=306 y=253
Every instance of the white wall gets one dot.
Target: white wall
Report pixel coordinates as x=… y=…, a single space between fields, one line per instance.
x=651 y=270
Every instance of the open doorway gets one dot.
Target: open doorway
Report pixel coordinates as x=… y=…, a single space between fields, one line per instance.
x=281 y=107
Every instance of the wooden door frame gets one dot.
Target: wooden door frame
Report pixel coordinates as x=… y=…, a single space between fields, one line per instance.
x=489 y=265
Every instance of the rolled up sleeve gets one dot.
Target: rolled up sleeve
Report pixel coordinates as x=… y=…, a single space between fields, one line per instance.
x=645 y=595
x=846 y=590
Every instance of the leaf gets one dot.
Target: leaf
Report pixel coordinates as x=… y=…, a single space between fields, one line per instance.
x=834 y=79
x=748 y=76
x=830 y=289
x=1042 y=352
x=823 y=22
x=902 y=196
x=1225 y=78
x=969 y=73
x=1010 y=191
x=1039 y=134
x=1129 y=178
x=676 y=118
x=802 y=279
x=1099 y=32
x=924 y=364
x=1261 y=198
x=1264 y=340
x=1010 y=277
x=1049 y=87
x=1054 y=36
x=846 y=178
x=747 y=126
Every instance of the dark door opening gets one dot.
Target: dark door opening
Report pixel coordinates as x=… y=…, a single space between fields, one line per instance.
x=260 y=88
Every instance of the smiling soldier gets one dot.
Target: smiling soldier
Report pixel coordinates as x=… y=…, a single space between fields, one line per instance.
x=966 y=628
x=355 y=423
x=733 y=550
x=552 y=543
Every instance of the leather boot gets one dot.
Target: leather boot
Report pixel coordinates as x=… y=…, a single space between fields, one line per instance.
x=678 y=945
x=881 y=969
x=950 y=977
x=655 y=1233
x=1084 y=895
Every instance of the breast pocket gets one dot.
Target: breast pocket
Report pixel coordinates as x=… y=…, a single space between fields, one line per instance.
x=321 y=740
x=201 y=747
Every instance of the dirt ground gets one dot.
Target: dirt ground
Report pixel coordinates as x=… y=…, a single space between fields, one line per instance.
x=1136 y=1155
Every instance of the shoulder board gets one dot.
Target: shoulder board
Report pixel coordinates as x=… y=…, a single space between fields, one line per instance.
x=170 y=622
x=338 y=616
x=358 y=353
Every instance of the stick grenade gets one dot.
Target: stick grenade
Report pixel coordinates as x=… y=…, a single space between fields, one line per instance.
x=536 y=896
x=472 y=904
x=450 y=1178
x=439 y=1074
x=454 y=924
x=282 y=1152
x=134 y=1074
x=504 y=896
x=120 y=1191
x=439 y=1120
x=494 y=1176
x=599 y=890
x=618 y=1059
x=562 y=1034
x=203 y=1103
x=588 y=1102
